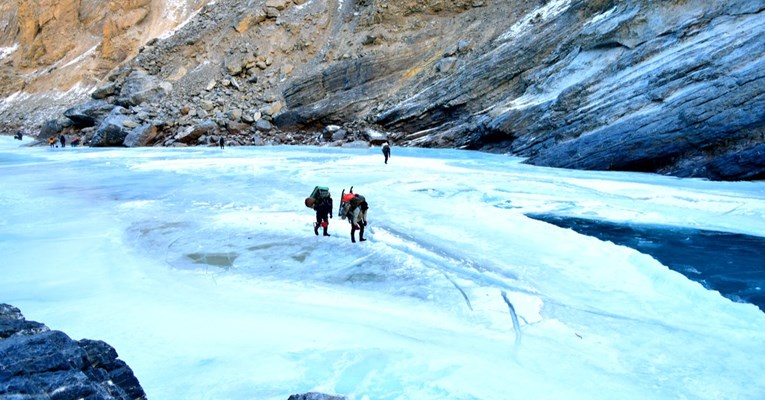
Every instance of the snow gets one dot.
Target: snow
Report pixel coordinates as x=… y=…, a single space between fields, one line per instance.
x=548 y=11
x=6 y=51
x=200 y=267
x=81 y=57
x=178 y=9
x=601 y=17
x=301 y=6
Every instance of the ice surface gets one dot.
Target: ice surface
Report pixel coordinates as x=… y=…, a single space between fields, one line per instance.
x=200 y=267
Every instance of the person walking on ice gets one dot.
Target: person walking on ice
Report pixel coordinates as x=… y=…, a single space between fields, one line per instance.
x=386 y=151
x=354 y=207
x=321 y=201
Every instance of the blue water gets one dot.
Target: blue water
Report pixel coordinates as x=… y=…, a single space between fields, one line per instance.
x=732 y=264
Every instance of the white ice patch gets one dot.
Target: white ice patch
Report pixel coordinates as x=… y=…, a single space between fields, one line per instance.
x=6 y=51
x=210 y=254
x=582 y=67
x=538 y=15
x=81 y=57
x=301 y=6
x=176 y=13
x=12 y=98
x=600 y=17
x=174 y=9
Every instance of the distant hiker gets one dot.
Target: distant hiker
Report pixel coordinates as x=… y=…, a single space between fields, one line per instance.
x=386 y=151
x=52 y=141
x=62 y=139
x=75 y=141
x=18 y=136
x=321 y=201
x=354 y=207
x=221 y=142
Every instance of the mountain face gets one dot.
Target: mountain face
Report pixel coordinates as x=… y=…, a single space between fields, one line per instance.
x=675 y=87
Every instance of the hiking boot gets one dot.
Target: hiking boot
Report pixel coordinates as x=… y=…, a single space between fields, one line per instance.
x=316 y=229
x=327 y=234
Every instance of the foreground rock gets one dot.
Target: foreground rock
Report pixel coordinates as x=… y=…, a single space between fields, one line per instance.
x=38 y=363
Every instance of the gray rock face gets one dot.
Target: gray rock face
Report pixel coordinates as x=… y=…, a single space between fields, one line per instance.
x=90 y=113
x=193 y=133
x=37 y=363
x=140 y=87
x=674 y=87
x=671 y=87
x=142 y=135
x=113 y=130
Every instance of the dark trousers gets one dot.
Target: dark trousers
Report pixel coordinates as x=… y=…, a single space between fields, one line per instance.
x=321 y=217
x=360 y=228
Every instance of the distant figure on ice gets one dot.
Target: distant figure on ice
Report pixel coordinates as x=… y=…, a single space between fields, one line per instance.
x=321 y=201
x=386 y=151
x=75 y=141
x=62 y=139
x=52 y=141
x=18 y=136
x=354 y=207
x=221 y=142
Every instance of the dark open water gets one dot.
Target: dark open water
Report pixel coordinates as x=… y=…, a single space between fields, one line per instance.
x=732 y=264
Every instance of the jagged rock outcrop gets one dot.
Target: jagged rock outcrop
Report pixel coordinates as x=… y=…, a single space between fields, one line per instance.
x=673 y=87
x=38 y=363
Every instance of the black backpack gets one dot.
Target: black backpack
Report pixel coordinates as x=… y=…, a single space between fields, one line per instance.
x=349 y=202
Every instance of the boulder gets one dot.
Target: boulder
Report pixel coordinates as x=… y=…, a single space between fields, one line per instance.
x=140 y=87
x=142 y=135
x=192 y=133
x=39 y=363
x=263 y=125
x=113 y=130
x=89 y=114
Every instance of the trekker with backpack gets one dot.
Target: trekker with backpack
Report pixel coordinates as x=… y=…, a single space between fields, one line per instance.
x=354 y=207
x=321 y=201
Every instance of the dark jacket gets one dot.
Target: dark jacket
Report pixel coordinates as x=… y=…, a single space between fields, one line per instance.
x=324 y=206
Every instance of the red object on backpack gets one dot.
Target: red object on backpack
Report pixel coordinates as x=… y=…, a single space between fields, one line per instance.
x=348 y=196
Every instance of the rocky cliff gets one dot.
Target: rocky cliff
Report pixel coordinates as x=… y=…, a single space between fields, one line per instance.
x=38 y=363
x=674 y=87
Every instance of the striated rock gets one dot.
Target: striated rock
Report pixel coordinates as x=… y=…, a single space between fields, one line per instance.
x=608 y=90
x=12 y=322
x=37 y=363
x=673 y=87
